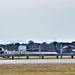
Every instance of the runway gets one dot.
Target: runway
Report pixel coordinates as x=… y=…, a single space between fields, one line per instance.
x=38 y=61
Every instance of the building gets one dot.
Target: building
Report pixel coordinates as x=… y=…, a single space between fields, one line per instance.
x=43 y=47
x=22 y=48
x=33 y=47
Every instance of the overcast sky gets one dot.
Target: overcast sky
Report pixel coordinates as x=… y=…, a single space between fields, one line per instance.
x=37 y=20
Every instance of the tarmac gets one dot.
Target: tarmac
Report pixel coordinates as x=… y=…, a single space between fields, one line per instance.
x=38 y=61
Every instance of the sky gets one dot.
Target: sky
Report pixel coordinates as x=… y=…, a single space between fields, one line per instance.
x=37 y=20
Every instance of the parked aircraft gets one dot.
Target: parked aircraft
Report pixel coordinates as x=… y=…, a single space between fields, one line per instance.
x=2 y=51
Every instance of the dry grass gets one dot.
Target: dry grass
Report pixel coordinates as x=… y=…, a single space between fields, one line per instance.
x=38 y=69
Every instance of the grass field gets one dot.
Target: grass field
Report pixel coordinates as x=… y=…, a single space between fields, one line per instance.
x=38 y=69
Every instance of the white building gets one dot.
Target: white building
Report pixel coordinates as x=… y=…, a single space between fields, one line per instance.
x=22 y=48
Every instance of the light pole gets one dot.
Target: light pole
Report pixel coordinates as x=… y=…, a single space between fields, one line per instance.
x=39 y=50
x=13 y=48
x=61 y=49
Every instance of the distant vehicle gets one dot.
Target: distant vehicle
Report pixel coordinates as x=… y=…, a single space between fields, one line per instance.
x=5 y=51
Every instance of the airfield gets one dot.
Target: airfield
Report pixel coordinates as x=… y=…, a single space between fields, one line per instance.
x=37 y=58
x=49 y=65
